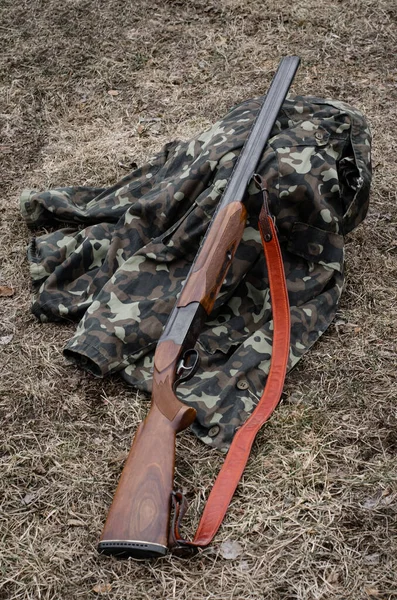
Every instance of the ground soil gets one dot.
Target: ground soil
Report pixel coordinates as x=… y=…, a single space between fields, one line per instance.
x=315 y=515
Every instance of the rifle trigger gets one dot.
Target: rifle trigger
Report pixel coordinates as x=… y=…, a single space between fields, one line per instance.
x=257 y=179
x=188 y=365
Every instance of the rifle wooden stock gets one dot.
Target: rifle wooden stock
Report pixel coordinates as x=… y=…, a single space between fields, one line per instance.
x=138 y=521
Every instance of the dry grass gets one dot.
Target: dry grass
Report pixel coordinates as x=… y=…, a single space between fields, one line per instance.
x=315 y=515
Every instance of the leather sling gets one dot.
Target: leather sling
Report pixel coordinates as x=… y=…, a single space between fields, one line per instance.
x=238 y=454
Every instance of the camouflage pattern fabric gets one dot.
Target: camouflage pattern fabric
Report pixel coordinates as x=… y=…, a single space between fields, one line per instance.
x=119 y=267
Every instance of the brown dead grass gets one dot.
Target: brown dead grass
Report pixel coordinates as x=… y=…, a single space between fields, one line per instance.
x=315 y=515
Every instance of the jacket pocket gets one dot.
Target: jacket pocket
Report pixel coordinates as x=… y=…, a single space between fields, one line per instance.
x=222 y=338
x=317 y=246
x=308 y=187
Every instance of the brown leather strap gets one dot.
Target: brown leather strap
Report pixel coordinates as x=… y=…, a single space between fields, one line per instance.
x=237 y=457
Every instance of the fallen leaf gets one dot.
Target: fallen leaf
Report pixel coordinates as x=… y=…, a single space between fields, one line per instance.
x=371 y=591
x=150 y=119
x=113 y=92
x=102 y=588
x=120 y=457
x=388 y=500
x=295 y=398
x=5 y=290
x=333 y=577
x=130 y=166
x=28 y=499
x=75 y=523
x=40 y=469
x=244 y=566
x=370 y=503
x=6 y=339
x=382 y=497
x=230 y=549
x=373 y=501
x=372 y=559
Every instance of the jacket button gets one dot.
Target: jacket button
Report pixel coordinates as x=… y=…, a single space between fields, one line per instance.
x=213 y=431
x=243 y=384
x=318 y=135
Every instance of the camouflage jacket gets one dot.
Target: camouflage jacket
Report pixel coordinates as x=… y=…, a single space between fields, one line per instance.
x=119 y=267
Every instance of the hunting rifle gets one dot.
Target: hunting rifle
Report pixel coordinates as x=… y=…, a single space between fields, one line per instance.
x=138 y=522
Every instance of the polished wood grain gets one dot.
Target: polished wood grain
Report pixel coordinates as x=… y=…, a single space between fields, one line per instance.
x=140 y=511
x=216 y=254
